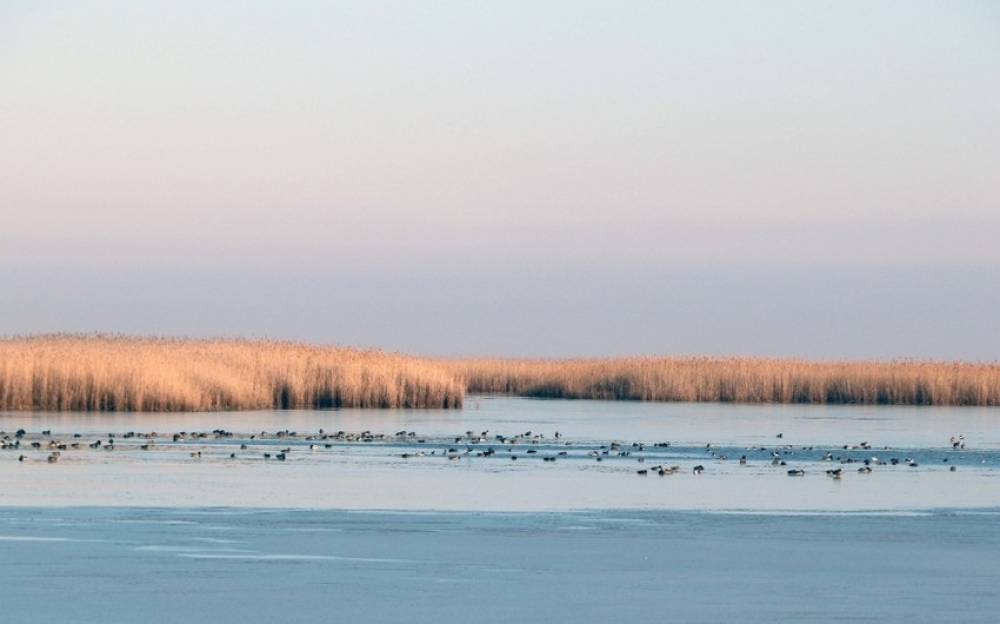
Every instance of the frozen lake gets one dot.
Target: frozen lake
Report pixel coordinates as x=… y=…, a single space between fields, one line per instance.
x=111 y=565
x=429 y=516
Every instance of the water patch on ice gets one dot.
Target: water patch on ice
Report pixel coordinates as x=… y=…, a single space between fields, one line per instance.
x=216 y=540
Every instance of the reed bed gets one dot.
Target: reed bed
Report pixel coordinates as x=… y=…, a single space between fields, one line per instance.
x=107 y=373
x=112 y=373
x=742 y=380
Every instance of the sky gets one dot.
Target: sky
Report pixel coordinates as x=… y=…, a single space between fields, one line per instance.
x=546 y=178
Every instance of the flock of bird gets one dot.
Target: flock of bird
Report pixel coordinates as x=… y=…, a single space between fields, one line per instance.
x=279 y=445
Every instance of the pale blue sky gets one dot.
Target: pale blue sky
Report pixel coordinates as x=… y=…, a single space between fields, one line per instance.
x=538 y=178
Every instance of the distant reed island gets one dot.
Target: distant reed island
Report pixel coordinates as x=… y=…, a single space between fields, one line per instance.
x=114 y=373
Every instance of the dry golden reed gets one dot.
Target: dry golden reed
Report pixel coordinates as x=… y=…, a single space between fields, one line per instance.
x=107 y=373
x=112 y=373
x=743 y=380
